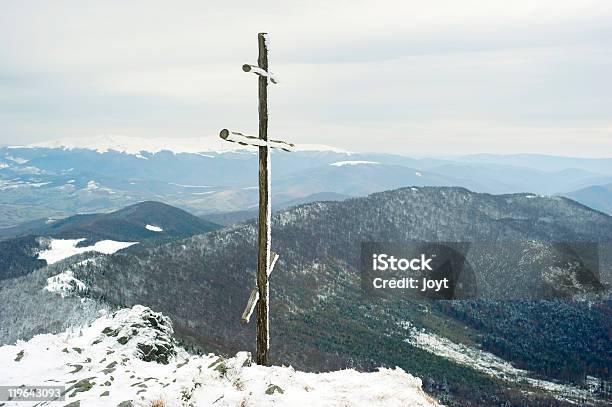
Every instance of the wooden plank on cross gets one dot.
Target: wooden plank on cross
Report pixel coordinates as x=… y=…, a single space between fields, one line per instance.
x=248 y=311
x=247 y=140
x=260 y=297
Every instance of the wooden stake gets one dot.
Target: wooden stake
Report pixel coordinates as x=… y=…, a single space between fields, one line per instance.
x=263 y=257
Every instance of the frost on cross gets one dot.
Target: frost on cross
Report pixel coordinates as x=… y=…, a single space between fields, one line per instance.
x=265 y=259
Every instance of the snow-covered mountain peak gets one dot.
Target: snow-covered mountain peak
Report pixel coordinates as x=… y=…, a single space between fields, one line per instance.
x=136 y=145
x=130 y=358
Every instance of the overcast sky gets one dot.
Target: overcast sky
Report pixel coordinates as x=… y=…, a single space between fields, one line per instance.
x=416 y=77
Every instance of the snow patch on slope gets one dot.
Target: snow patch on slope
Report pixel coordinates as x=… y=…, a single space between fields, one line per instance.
x=92 y=186
x=153 y=228
x=60 y=249
x=64 y=283
x=320 y=147
x=15 y=183
x=492 y=365
x=131 y=355
x=18 y=160
x=356 y=162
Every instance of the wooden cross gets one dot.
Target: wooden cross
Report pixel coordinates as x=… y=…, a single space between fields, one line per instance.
x=260 y=296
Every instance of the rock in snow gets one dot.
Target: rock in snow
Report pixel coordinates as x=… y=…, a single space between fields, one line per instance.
x=131 y=356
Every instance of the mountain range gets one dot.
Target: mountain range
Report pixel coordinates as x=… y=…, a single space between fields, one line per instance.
x=111 y=223
x=60 y=178
x=321 y=320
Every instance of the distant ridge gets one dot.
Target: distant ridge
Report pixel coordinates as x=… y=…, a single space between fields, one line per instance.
x=137 y=145
x=130 y=223
x=143 y=222
x=596 y=196
x=317 y=284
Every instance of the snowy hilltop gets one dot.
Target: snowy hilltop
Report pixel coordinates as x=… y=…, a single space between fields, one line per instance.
x=130 y=358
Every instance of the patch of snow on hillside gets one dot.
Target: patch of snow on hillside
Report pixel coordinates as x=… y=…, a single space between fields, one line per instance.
x=91 y=186
x=492 y=365
x=60 y=249
x=18 y=160
x=154 y=228
x=320 y=147
x=189 y=186
x=17 y=183
x=66 y=187
x=131 y=355
x=344 y=163
x=64 y=283
x=29 y=170
x=39 y=184
x=11 y=184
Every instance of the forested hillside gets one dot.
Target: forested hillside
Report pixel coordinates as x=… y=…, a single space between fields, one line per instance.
x=147 y=223
x=320 y=320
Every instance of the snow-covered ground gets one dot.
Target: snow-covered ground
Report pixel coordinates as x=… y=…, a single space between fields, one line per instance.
x=92 y=185
x=18 y=183
x=492 y=365
x=131 y=355
x=60 y=249
x=64 y=283
x=354 y=162
x=154 y=228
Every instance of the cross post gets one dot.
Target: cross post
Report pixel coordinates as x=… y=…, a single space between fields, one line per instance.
x=260 y=296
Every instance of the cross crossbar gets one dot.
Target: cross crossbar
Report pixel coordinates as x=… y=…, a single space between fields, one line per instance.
x=258 y=71
x=247 y=140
